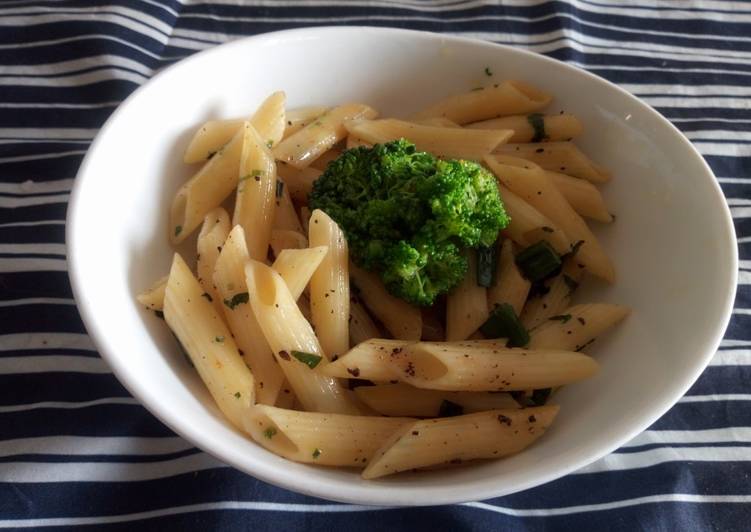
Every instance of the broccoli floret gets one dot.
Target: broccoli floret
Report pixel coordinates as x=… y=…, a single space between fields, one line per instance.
x=408 y=216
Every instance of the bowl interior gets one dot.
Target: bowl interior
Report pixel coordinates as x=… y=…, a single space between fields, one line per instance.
x=672 y=243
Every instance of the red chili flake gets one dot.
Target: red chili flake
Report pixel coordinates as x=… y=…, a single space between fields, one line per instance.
x=532 y=419
x=504 y=420
x=355 y=372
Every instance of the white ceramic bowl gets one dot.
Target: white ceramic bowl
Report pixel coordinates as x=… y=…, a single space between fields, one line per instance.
x=673 y=242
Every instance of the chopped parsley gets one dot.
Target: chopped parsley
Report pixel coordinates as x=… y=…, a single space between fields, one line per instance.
x=563 y=318
x=309 y=359
x=238 y=395
x=269 y=433
x=537 y=121
x=316 y=452
x=219 y=339
x=178 y=230
x=237 y=299
x=269 y=143
x=488 y=72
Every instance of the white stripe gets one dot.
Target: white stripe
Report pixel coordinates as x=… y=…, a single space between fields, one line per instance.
x=36 y=301
x=33 y=224
x=66 y=405
x=67 y=40
x=745 y=264
x=664 y=437
x=744 y=239
x=62 y=105
x=47 y=133
x=724 y=150
x=7 y=202
x=83 y=445
x=715 y=397
x=736 y=180
x=33 y=249
x=103 y=73
x=710 y=119
x=742 y=311
x=37 y=187
x=32 y=265
x=105 y=471
x=697 y=103
x=707 y=134
x=731 y=357
x=661 y=455
x=75 y=65
x=727 y=342
x=679 y=91
x=102 y=10
x=738 y=201
x=52 y=364
x=23 y=341
x=741 y=212
x=744 y=277
x=40 y=156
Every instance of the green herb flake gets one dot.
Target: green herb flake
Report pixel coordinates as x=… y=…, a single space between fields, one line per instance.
x=563 y=318
x=572 y=284
x=269 y=433
x=178 y=230
x=269 y=143
x=309 y=359
x=537 y=121
x=207 y=296
x=316 y=452
x=488 y=72
x=237 y=299
x=219 y=339
x=238 y=395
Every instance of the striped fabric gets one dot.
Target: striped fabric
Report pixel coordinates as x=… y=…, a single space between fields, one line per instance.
x=76 y=449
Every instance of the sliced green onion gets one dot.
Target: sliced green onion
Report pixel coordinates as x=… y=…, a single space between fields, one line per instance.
x=504 y=323
x=487 y=258
x=539 y=261
x=309 y=359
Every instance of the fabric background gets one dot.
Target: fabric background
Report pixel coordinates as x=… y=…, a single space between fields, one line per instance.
x=76 y=449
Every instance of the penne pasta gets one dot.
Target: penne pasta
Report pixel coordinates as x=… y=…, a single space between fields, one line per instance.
x=285 y=239
x=207 y=189
x=441 y=141
x=268 y=120
x=355 y=142
x=329 y=285
x=466 y=304
x=255 y=204
x=451 y=440
x=556 y=299
x=432 y=324
x=323 y=439
x=299 y=182
x=559 y=157
x=300 y=117
x=296 y=266
x=577 y=327
x=583 y=196
x=510 y=285
x=229 y=279
x=442 y=366
x=310 y=142
x=208 y=343
x=213 y=233
x=361 y=325
x=305 y=218
x=439 y=121
x=404 y=400
x=367 y=360
x=507 y=98
x=285 y=216
x=535 y=127
x=528 y=225
x=293 y=342
x=153 y=297
x=286 y=397
x=534 y=186
x=401 y=319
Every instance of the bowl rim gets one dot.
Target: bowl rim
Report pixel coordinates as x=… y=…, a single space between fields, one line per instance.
x=332 y=489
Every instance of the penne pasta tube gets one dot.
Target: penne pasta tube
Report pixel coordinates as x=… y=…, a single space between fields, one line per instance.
x=305 y=146
x=439 y=121
x=459 y=143
x=577 y=327
x=535 y=127
x=299 y=182
x=510 y=285
x=286 y=397
x=293 y=342
x=329 y=285
x=255 y=204
x=229 y=279
x=300 y=117
x=208 y=343
x=323 y=439
x=583 y=196
x=401 y=319
x=367 y=360
x=466 y=304
x=213 y=233
x=305 y=218
x=268 y=120
x=556 y=299
x=361 y=325
x=451 y=440
x=153 y=297
x=207 y=189
x=528 y=225
x=285 y=239
x=355 y=142
x=507 y=98
x=442 y=366
x=285 y=216
x=534 y=186
x=296 y=266
x=559 y=157
x=404 y=400
x=432 y=324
